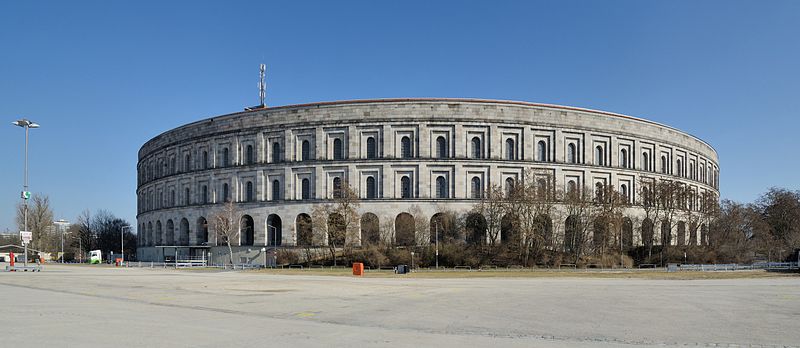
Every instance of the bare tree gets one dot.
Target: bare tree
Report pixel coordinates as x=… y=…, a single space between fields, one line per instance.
x=492 y=207
x=40 y=222
x=668 y=196
x=779 y=210
x=581 y=212
x=529 y=208
x=226 y=226
x=733 y=232
x=86 y=234
x=690 y=211
x=422 y=233
x=653 y=209
x=339 y=220
x=387 y=233
x=611 y=213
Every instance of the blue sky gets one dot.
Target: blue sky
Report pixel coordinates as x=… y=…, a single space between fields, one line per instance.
x=103 y=77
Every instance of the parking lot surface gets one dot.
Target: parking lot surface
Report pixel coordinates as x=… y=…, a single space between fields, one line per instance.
x=94 y=306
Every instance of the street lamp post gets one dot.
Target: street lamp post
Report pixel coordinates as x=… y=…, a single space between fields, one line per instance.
x=27 y=124
x=274 y=244
x=437 y=244
x=122 y=242
x=61 y=223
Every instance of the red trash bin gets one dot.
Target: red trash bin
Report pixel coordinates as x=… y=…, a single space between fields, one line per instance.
x=358 y=269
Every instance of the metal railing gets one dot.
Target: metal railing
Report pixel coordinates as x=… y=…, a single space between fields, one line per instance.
x=738 y=267
x=200 y=263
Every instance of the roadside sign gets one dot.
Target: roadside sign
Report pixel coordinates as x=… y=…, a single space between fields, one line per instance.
x=26 y=236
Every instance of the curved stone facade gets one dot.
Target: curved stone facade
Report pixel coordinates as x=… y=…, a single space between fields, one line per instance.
x=430 y=154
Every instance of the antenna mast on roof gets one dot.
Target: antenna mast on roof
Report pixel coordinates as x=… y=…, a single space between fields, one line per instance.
x=262 y=89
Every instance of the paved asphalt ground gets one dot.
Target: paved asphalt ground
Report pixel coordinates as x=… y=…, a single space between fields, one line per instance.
x=86 y=306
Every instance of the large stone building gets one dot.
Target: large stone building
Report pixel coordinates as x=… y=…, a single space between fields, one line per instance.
x=400 y=156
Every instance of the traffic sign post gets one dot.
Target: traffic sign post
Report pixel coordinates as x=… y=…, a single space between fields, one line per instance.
x=26 y=237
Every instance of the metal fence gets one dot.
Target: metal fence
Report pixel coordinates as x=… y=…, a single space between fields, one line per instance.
x=737 y=267
x=202 y=263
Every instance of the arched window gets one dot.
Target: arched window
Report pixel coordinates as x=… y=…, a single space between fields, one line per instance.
x=186 y=197
x=205 y=159
x=225 y=157
x=623 y=190
x=225 y=194
x=249 y=156
x=599 y=156
x=623 y=158
x=664 y=164
x=247 y=230
x=172 y=198
x=599 y=192
x=305 y=151
x=305 y=235
x=404 y=230
x=691 y=171
x=169 y=234
x=541 y=151
x=187 y=163
x=173 y=166
x=477 y=149
x=441 y=187
x=305 y=191
x=441 y=147
x=572 y=188
x=509 y=187
x=541 y=189
x=276 y=190
x=370 y=229
x=202 y=231
x=511 y=151
x=371 y=189
x=338 y=151
x=405 y=187
x=337 y=187
x=572 y=234
x=645 y=161
x=647 y=199
x=405 y=147
x=204 y=191
x=274 y=230
x=572 y=156
x=476 y=189
x=679 y=163
x=372 y=148
x=276 y=152
x=249 y=194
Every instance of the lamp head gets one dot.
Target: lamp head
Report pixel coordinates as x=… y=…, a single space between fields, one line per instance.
x=25 y=123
